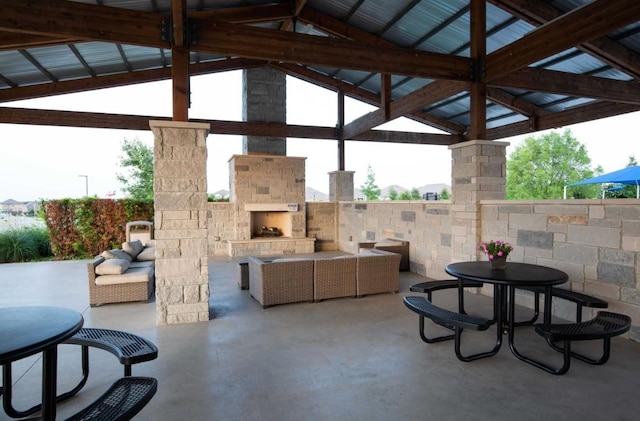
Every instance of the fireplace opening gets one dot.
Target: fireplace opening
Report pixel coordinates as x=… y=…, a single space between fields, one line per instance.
x=270 y=224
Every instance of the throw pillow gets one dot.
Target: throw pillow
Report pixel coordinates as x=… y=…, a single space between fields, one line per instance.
x=116 y=254
x=148 y=254
x=133 y=248
x=112 y=267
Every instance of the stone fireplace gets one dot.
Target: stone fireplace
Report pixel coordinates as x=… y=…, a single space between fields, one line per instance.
x=268 y=196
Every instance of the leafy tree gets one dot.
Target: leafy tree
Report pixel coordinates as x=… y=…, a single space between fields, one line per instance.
x=540 y=167
x=138 y=160
x=444 y=194
x=370 y=189
x=405 y=195
x=393 y=194
x=415 y=194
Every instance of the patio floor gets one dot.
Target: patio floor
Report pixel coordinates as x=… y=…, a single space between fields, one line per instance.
x=344 y=359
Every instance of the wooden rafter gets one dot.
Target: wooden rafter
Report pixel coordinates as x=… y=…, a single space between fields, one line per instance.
x=603 y=48
x=576 y=27
x=542 y=80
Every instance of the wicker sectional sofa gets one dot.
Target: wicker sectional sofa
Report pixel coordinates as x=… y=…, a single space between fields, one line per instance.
x=122 y=275
x=280 y=280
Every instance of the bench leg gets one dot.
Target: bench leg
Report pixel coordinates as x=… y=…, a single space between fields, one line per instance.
x=436 y=339
x=606 y=352
x=465 y=358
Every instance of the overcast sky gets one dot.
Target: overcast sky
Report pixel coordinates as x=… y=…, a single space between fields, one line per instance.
x=42 y=162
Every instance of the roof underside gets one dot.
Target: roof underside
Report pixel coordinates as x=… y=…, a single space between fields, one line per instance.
x=539 y=65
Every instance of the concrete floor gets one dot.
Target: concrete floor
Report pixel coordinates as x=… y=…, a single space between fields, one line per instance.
x=343 y=359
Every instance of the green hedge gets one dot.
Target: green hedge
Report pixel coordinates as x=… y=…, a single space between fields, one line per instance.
x=83 y=228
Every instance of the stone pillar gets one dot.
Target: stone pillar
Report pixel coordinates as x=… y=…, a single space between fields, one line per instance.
x=264 y=98
x=478 y=172
x=341 y=186
x=180 y=206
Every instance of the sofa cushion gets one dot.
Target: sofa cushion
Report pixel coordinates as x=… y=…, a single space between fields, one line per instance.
x=388 y=242
x=133 y=248
x=116 y=254
x=147 y=254
x=290 y=259
x=112 y=267
x=142 y=274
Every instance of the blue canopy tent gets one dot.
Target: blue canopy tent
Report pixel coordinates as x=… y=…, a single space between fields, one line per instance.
x=628 y=176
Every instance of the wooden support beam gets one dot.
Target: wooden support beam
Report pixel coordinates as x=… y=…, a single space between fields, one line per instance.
x=385 y=95
x=582 y=24
x=603 y=48
x=478 y=103
x=340 y=134
x=575 y=115
x=514 y=103
x=265 y=44
x=180 y=61
x=119 y=79
x=429 y=94
x=10 y=115
x=541 y=80
x=62 y=19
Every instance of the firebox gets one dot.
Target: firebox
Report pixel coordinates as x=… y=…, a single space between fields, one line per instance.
x=270 y=224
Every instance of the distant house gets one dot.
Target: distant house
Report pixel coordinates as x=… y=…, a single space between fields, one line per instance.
x=14 y=207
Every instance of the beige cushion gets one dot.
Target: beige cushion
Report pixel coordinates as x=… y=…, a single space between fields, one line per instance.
x=388 y=242
x=290 y=259
x=139 y=264
x=112 y=267
x=133 y=248
x=116 y=254
x=147 y=254
x=144 y=274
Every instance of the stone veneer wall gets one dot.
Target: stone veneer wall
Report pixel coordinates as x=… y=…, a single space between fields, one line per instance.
x=322 y=224
x=180 y=222
x=597 y=242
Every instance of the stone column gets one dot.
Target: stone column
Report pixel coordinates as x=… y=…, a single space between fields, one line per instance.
x=264 y=98
x=180 y=206
x=341 y=186
x=478 y=172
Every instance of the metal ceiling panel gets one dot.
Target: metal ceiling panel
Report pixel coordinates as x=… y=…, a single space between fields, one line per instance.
x=102 y=57
x=16 y=69
x=421 y=20
x=59 y=61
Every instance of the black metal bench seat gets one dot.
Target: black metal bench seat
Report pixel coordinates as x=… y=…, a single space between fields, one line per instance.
x=127 y=347
x=604 y=326
x=580 y=299
x=456 y=321
x=124 y=399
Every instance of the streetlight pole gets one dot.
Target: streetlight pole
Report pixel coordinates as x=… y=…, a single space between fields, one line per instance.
x=86 y=184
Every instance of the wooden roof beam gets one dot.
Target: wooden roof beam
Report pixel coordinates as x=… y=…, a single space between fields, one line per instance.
x=514 y=103
x=582 y=24
x=589 y=112
x=120 y=79
x=552 y=81
x=136 y=122
x=429 y=94
x=264 y=44
x=603 y=48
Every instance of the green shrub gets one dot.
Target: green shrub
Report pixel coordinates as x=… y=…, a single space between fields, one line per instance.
x=24 y=244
